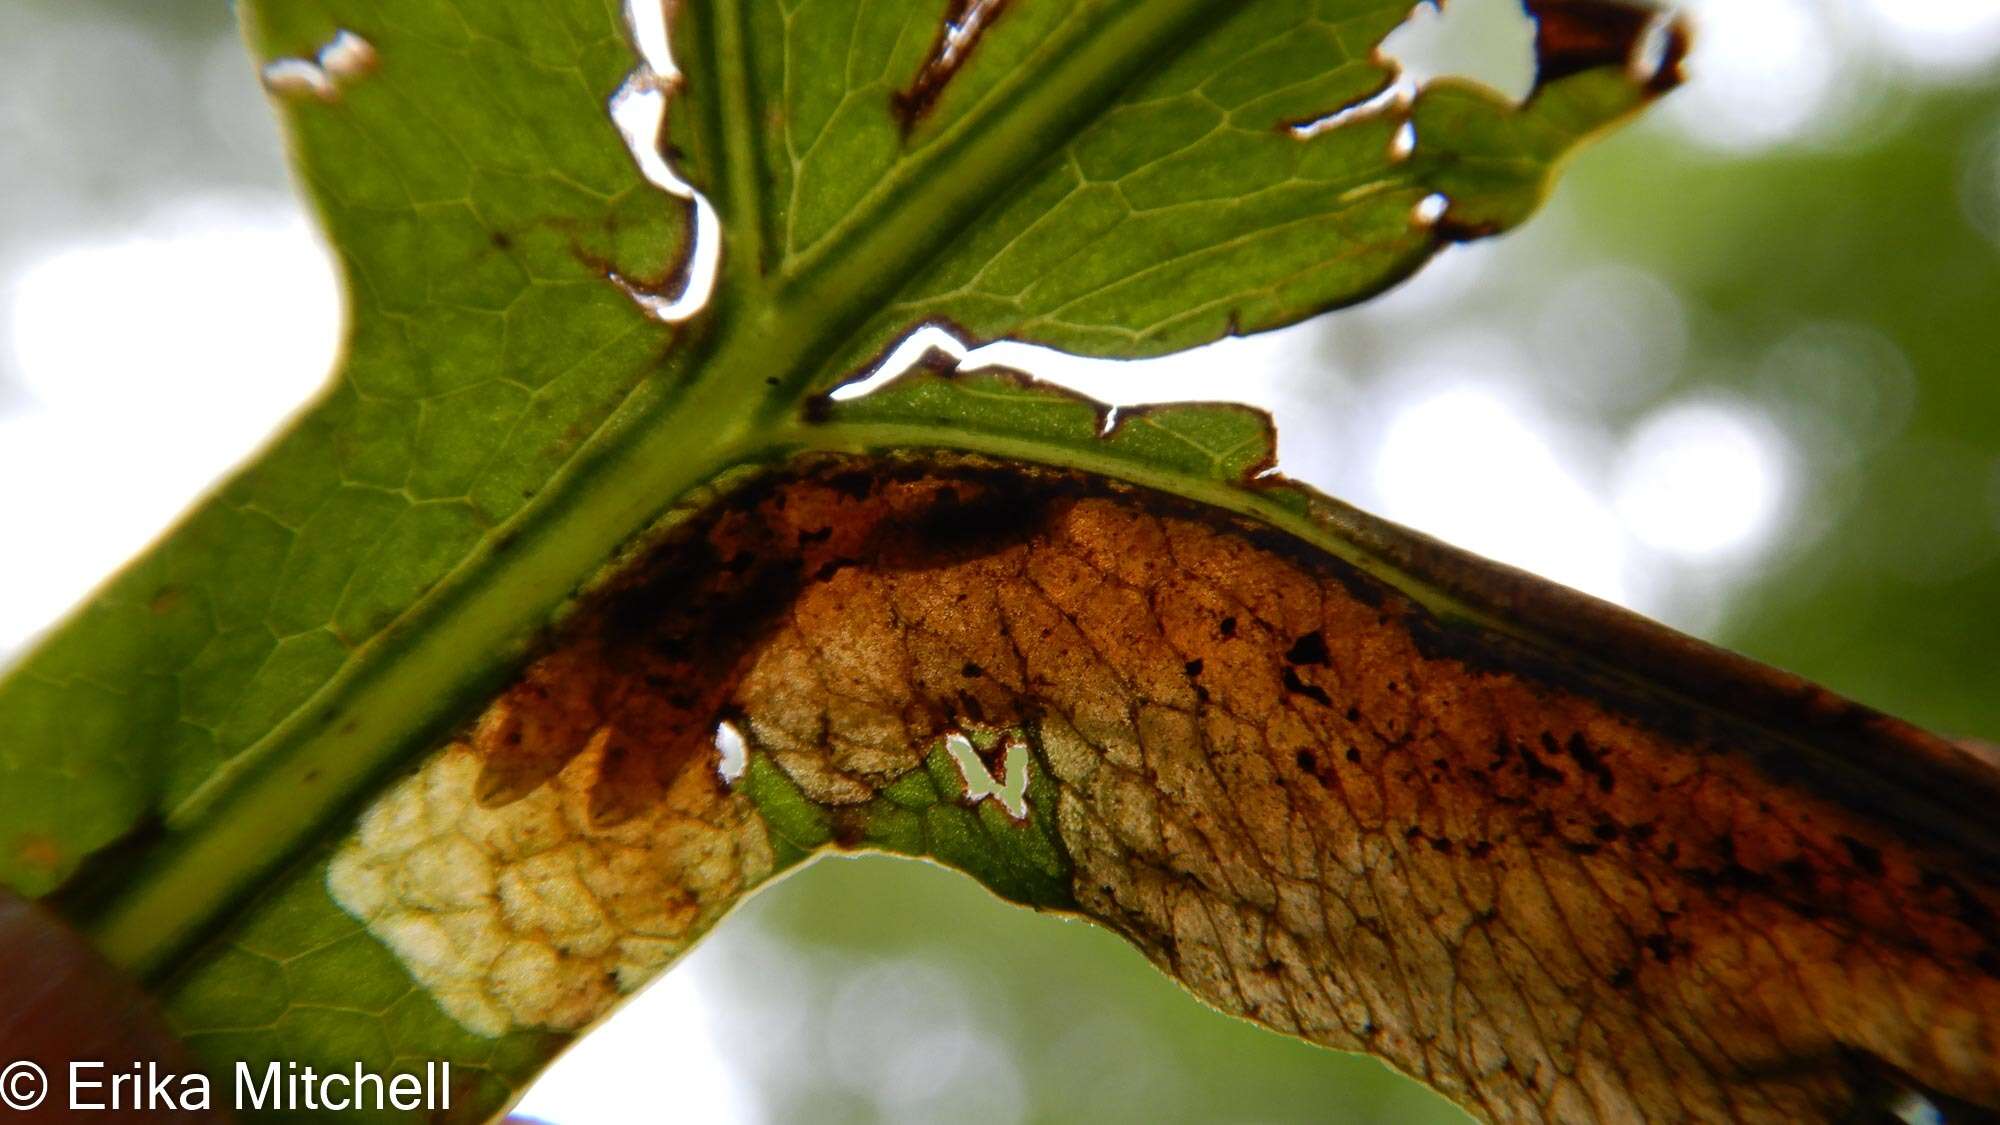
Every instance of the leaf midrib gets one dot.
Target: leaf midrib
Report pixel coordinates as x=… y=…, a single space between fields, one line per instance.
x=672 y=434
x=914 y=215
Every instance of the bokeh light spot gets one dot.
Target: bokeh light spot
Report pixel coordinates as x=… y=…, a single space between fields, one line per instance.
x=1468 y=465
x=1702 y=480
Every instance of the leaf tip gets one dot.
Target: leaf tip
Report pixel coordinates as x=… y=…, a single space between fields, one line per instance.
x=1574 y=36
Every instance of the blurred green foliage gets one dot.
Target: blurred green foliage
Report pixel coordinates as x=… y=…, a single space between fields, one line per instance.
x=1897 y=598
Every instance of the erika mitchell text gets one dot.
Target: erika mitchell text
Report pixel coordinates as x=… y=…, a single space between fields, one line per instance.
x=147 y=1087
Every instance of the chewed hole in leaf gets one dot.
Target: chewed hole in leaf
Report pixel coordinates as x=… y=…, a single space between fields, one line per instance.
x=732 y=752
x=929 y=343
x=1011 y=790
x=1392 y=98
x=345 y=58
x=698 y=280
x=295 y=77
x=638 y=108
x=1403 y=143
x=960 y=33
x=1107 y=386
x=1913 y=1108
x=1486 y=41
x=647 y=20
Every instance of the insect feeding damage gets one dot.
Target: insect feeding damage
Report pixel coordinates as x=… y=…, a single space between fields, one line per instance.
x=659 y=658
x=1011 y=790
x=345 y=58
x=534 y=914
x=958 y=35
x=1308 y=800
x=577 y=840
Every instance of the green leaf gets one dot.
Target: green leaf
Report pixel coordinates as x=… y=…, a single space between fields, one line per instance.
x=1121 y=180
x=183 y=761
x=1217 y=442
x=476 y=195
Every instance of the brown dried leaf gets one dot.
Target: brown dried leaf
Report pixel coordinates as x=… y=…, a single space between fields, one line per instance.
x=1551 y=891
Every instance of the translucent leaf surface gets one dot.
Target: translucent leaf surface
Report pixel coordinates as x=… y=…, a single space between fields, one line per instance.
x=401 y=747
x=476 y=194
